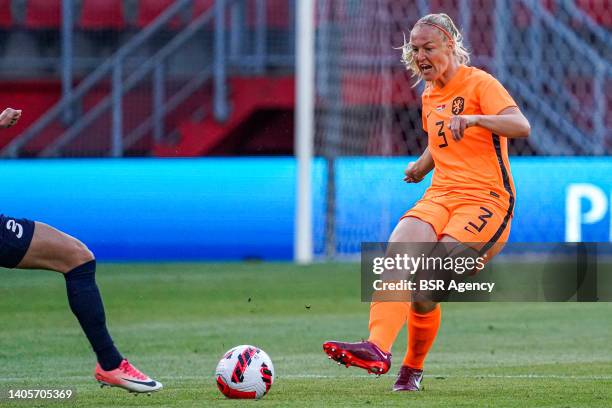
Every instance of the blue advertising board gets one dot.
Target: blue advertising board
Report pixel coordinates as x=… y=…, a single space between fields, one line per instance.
x=558 y=199
x=243 y=208
x=161 y=209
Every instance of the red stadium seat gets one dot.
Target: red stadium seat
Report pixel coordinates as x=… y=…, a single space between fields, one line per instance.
x=202 y=6
x=277 y=14
x=549 y=5
x=599 y=11
x=43 y=14
x=149 y=10
x=102 y=15
x=6 y=17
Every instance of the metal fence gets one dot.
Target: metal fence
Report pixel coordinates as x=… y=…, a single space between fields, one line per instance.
x=553 y=56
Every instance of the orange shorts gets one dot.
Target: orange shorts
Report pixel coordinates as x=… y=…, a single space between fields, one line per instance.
x=478 y=223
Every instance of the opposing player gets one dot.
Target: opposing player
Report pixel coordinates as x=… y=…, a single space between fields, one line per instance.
x=468 y=116
x=26 y=244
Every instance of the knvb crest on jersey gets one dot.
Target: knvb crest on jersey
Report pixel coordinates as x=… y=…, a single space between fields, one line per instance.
x=458 y=105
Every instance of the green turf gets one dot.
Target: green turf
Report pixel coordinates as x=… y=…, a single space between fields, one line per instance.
x=174 y=321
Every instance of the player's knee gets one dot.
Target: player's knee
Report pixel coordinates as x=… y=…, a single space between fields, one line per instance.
x=77 y=254
x=423 y=307
x=82 y=253
x=411 y=229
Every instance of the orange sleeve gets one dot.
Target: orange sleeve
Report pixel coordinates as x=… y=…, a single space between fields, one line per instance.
x=425 y=107
x=494 y=98
x=424 y=119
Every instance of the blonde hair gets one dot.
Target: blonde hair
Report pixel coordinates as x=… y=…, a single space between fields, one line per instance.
x=448 y=30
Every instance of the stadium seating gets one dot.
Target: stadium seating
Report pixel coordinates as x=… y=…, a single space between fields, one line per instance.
x=6 y=16
x=598 y=10
x=102 y=15
x=94 y=18
x=250 y=98
x=201 y=6
x=277 y=14
x=149 y=10
x=43 y=14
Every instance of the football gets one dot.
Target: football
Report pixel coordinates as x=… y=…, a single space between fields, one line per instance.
x=245 y=372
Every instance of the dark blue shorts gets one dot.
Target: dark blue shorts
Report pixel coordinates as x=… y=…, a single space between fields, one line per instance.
x=15 y=238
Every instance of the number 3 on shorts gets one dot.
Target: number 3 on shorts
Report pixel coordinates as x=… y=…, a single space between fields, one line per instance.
x=482 y=221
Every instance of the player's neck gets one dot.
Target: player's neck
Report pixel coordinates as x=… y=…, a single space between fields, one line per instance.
x=448 y=75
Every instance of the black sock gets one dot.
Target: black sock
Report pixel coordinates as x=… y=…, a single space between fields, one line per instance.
x=86 y=304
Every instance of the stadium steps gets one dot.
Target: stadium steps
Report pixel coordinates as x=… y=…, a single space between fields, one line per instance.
x=248 y=96
x=95 y=140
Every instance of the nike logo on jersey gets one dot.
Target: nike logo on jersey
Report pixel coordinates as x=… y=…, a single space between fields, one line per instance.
x=147 y=383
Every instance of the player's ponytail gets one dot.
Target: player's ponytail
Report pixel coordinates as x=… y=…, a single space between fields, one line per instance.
x=448 y=30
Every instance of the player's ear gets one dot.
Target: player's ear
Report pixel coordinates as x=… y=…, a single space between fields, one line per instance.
x=450 y=45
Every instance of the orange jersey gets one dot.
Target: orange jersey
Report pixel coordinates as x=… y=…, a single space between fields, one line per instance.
x=477 y=165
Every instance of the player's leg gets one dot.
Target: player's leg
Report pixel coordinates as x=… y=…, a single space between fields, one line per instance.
x=54 y=250
x=48 y=248
x=424 y=319
x=473 y=229
x=411 y=236
x=387 y=318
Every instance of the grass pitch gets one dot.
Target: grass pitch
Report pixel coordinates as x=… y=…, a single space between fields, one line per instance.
x=174 y=321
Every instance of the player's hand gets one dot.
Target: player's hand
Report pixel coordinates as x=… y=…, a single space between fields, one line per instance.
x=458 y=124
x=9 y=117
x=413 y=173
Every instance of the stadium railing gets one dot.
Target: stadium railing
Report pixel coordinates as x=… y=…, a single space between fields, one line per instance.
x=556 y=62
x=111 y=67
x=221 y=29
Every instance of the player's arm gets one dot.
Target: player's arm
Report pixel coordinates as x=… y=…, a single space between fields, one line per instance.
x=416 y=171
x=510 y=122
x=500 y=113
x=9 y=117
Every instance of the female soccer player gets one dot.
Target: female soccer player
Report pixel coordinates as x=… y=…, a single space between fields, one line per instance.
x=468 y=116
x=26 y=244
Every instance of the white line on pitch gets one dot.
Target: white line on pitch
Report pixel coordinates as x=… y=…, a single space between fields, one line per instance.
x=535 y=376
x=317 y=376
